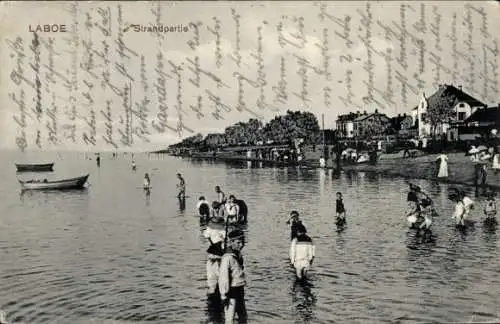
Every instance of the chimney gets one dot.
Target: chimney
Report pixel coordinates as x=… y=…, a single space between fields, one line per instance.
x=376 y=111
x=364 y=112
x=460 y=87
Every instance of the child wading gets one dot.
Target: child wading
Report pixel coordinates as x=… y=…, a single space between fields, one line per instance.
x=490 y=210
x=340 y=210
x=302 y=252
x=203 y=209
x=295 y=222
x=425 y=217
x=232 y=279
x=215 y=233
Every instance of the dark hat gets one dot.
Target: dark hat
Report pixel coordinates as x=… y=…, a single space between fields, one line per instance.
x=235 y=234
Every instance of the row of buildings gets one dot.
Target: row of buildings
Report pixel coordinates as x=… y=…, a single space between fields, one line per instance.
x=468 y=118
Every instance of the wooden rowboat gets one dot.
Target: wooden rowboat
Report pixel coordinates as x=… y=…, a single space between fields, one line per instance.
x=34 y=167
x=63 y=184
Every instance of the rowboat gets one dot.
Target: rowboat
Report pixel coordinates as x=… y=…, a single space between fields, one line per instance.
x=63 y=184
x=34 y=167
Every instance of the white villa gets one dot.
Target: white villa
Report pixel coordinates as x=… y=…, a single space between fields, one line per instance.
x=464 y=108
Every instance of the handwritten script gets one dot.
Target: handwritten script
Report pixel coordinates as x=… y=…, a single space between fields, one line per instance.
x=105 y=84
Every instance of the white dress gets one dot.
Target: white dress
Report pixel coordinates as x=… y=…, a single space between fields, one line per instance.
x=496 y=162
x=443 y=166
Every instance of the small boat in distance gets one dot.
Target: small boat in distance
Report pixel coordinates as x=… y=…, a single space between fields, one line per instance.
x=63 y=184
x=35 y=167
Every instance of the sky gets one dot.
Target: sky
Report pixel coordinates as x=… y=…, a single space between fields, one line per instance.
x=429 y=43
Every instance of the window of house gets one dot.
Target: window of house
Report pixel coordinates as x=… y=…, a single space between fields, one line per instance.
x=461 y=115
x=461 y=105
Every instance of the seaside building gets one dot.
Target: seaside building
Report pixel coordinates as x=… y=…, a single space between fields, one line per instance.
x=345 y=124
x=479 y=124
x=369 y=125
x=464 y=107
x=401 y=125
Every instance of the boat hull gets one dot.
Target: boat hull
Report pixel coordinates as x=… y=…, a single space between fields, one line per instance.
x=35 y=167
x=65 y=184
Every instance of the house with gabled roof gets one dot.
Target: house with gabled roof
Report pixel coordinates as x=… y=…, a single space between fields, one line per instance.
x=479 y=124
x=345 y=123
x=465 y=106
x=375 y=123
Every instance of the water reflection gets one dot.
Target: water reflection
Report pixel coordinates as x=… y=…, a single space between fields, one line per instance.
x=214 y=311
x=182 y=204
x=147 y=196
x=303 y=299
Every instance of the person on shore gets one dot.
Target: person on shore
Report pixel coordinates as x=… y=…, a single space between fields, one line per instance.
x=203 y=208
x=496 y=160
x=147 y=182
x=98 y=160
x=443 y=166
x=302 y=252
x=294 y=222
x=221 y=196
x=232 y=210
x=340 y=210
x=215 y=234
x=181 y=187
x=133 y=165
x=322 y=162
x=490 y=209
x=232 y=279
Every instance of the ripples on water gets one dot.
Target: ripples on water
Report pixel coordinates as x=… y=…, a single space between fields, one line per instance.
x=112 y=253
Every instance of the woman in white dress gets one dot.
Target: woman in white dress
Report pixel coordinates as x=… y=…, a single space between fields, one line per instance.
x=496 y=160
x=443 y=166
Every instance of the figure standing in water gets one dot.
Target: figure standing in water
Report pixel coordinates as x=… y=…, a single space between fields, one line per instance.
x=98 y=160
x=294 y=222
x=232 y=210
x=232 y=279
x=340 y=210
x=215 y=234
x=302 y=252
x=203 y=208
x=133 y=165
x=490 y=210
x=147 y=182
x=181 y=187
x=425 y=216
x=221 y=196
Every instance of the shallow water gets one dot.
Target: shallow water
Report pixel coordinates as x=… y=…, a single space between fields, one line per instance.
x=112 y=253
